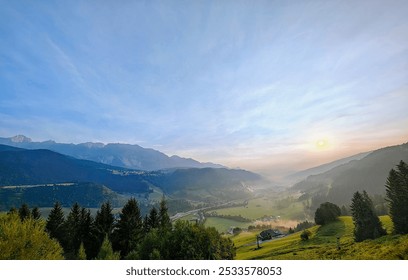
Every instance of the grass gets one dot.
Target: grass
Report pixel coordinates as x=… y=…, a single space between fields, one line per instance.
x=222 y=225
x=323 y=244
x=260 y=207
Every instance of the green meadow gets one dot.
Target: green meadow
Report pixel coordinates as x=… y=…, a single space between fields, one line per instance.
x=257 y=208
x=322 y=244
x=222 y=225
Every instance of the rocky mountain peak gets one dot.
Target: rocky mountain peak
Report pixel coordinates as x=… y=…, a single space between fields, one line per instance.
x=20 y=139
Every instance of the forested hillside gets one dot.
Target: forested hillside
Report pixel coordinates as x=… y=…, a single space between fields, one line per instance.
x=368 y=173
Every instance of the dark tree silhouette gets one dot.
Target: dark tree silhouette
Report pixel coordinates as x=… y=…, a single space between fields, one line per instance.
x=128 y=231
x=55 y=225
x=24 y=212
x=397 y=197
x=35 y=213
x=367 y=225
x=326 y=213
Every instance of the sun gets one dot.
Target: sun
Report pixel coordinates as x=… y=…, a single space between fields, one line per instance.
x=322 y=144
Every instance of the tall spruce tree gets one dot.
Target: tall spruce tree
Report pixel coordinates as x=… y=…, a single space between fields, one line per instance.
x=73 y=227
x=164 y=218
x=153 y=218
x=89 y=234
x=367 y=225
x=397 y=197
x=104 y=220
x=55 y=225
x=128 y=231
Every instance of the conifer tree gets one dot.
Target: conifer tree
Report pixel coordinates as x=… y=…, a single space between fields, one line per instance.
x=153 y=219
x=164 y=218
x=106 y=252
x=397 y=197
x=104 y=219
x=146 y=227
x=129 y=229
x=88 y=234
x=55 y=225
x=35 y=213
x=73 y=230
x=24 y=212
x=367 y=225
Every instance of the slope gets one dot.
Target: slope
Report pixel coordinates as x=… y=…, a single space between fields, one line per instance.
x=323 y=244
x=27 y=167
x=301 y=175
x=369 y=173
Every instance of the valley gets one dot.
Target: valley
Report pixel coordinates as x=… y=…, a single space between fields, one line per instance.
x=239 y=204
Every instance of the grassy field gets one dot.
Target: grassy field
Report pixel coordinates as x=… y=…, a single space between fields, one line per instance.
x=259 y=207
x=323 y=244
x=222 y=225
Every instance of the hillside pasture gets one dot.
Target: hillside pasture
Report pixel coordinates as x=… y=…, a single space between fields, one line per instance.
x=323 y=244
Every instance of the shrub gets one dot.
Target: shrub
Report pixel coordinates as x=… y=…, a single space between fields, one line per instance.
x=305 y=235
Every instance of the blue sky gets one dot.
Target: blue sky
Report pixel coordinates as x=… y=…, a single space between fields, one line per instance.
x=264 y=85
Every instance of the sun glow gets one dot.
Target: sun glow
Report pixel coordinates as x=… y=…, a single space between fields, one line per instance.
x=322 y=144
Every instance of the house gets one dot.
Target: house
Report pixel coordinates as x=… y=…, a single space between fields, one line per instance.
x=269 y=234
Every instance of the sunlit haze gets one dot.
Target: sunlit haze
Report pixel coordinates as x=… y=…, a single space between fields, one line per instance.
x=269 y=86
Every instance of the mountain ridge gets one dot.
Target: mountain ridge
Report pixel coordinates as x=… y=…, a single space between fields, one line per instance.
x=123 y=155
x=19 y=167
x=303 y=174
x=369 y=173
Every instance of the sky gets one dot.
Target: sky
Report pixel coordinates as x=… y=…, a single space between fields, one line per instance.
x=269 y=86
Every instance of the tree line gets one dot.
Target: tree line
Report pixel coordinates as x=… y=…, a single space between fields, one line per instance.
x=130 y=236
x=367 y=225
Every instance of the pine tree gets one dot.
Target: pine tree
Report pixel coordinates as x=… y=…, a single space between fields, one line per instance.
x=35 y=213
x=88 y=234
x=397 y=197
x=55 y=225
x=164 y=218
x=24 y=212
x=146 y=226
x=129 y=229
x=153 y=219
x=367 y=225
x=73 y=227
x=104 y=219
x=106 y=252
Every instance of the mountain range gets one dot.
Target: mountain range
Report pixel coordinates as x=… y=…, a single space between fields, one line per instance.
x=47 y=174
x=122 y=155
